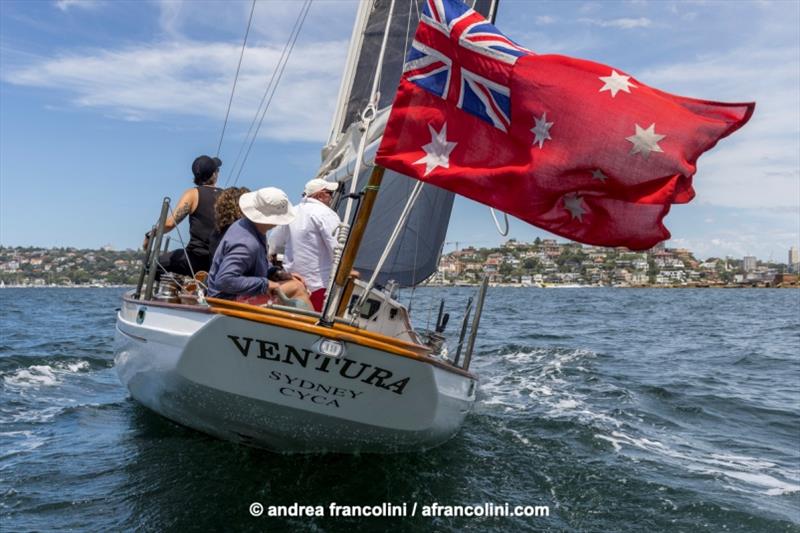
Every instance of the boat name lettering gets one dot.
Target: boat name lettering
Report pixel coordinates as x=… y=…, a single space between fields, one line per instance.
x=347 y=368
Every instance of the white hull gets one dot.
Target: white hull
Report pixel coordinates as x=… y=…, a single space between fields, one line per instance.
x=264 y=385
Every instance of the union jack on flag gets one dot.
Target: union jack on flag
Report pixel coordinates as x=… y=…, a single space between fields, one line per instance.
x=460 y=57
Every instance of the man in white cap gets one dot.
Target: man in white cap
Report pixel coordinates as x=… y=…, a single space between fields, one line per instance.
x=310 y=239
x=239 y=268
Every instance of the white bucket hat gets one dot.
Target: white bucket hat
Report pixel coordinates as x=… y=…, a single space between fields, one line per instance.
x=267 y=206
x=319 y=184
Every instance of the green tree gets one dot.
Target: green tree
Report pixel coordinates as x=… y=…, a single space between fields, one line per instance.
x=531 y=263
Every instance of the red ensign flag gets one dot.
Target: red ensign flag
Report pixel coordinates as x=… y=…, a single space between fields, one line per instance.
x=572 y=146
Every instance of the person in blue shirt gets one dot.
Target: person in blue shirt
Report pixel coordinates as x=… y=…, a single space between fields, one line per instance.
x=240 y=267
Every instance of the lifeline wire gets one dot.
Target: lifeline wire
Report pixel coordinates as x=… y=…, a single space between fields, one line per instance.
x=299 y=26
x=236 y=78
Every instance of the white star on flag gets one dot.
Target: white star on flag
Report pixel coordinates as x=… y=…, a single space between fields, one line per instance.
x=541 y=131
x=597 y=174
x=645 y=141
x=437 y=152
x=615 y=83
x=572 y=203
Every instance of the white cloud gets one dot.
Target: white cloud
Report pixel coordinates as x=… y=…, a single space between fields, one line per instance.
x=620 y=23
x=544 y=20
x=186 y=73
x=190 y=78
x=765 y=243
x=65 y=5
x=759 y=165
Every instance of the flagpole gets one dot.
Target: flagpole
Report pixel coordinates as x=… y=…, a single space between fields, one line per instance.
x=345 y=266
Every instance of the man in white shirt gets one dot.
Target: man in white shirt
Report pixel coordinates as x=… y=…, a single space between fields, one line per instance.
x=310 y=239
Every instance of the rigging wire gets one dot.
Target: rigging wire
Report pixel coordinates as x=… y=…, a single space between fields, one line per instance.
x=236 y=77
x=272 y=87
x=264 y=96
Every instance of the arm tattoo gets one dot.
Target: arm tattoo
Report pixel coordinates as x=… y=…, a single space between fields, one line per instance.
x=180 y=213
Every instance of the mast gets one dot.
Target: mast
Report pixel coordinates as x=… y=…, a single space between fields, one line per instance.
x=339 y=286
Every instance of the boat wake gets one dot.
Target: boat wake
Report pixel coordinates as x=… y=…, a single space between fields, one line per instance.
x=563 y=385
x=33 y=372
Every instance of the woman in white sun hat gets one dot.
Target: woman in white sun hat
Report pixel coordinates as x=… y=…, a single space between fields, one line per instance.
x=239 y=268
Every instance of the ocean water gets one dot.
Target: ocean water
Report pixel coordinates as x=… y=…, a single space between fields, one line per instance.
x=620 y=410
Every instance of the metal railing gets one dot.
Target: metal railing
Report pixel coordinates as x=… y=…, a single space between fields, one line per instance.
x=475 y=322
x=150 y=263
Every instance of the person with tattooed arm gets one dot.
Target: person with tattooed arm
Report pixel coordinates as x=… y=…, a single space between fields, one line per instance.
x=198 y=204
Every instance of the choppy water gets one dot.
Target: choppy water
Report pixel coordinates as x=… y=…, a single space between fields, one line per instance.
x=622 y=410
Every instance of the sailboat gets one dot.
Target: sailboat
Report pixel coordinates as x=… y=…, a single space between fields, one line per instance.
x=357 y=377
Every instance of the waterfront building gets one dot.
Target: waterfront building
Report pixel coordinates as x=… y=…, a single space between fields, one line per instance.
x=749 y=263
x=794 y=259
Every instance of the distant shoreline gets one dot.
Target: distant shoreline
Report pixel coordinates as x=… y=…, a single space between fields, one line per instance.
x=512 y=286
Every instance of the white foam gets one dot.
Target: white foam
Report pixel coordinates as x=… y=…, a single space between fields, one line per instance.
x=536 y=379
x=74 y=367
x=24 y=441
x=523 y=439
x=537 y=392
x=750 y=470
x=43 y=414
x=616 y=443
x=739 y=461
x=774 y=486
x=35 y=375
x=566 y=404
x=44 y=375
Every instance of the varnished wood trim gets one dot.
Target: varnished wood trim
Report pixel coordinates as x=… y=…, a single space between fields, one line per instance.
x=250 y=308
x=280 y=313
x=359 y=226
x=347 y=293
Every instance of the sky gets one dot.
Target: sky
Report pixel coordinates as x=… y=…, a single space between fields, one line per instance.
x=105 y=103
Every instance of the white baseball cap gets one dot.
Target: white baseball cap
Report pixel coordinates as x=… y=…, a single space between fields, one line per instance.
x=267 y=206
x=319 y=184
